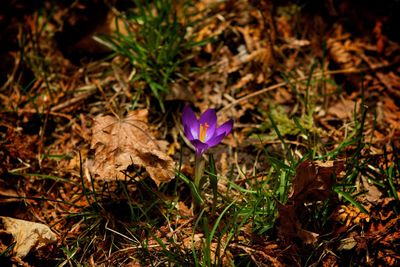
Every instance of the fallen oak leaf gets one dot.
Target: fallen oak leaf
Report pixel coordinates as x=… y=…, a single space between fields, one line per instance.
x=119 y=143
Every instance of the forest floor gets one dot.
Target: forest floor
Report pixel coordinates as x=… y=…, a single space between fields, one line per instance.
x=95 y=167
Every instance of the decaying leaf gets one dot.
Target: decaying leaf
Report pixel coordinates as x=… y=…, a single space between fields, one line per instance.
x=347 y=243
x=350 y=215
x=193 y=241
x=373 y=194
x=26 y=235
x=314 y=180
x=119 y=143
x=220 y=256
x=290 y=227
x=344 y=109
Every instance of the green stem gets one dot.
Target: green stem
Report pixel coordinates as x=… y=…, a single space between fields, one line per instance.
x=198 y=171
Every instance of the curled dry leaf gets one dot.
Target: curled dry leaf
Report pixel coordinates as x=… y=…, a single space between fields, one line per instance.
x=119 y=143
x=26 y=235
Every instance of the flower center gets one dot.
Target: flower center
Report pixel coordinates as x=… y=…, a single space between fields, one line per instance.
x=203 y=131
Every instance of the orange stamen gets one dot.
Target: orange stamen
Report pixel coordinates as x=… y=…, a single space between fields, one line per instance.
x=203 y=131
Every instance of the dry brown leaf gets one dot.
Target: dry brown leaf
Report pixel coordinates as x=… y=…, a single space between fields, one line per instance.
x=26 y=234
x=184 y=210
x=343 y=50
x=290 y=227
x=220 y=256
x=373 y=194
x=193 y=241
x=314 y=180
x=343 y=109
x=119 y=143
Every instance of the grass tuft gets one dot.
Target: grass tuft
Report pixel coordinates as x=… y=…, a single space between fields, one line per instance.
x=156 y=41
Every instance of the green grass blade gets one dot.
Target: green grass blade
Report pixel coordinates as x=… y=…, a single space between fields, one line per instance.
x=195 y=193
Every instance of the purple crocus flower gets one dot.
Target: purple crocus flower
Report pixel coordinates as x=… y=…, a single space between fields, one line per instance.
x=203 y=133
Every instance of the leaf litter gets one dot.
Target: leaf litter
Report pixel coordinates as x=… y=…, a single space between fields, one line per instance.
x=252 y=45
x=120 y=143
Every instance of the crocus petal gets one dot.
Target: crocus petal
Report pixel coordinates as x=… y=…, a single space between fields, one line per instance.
x=200 y=146
x=215 y=140
x=209 y=117
x=190 y=123
x=225 y=128
x=210 y=131
x=188 y=133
